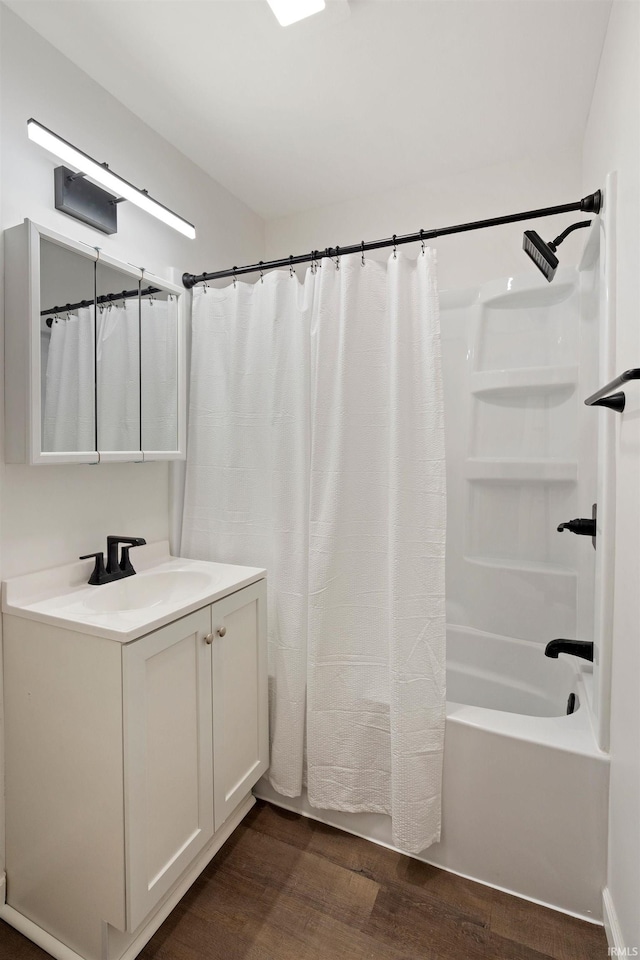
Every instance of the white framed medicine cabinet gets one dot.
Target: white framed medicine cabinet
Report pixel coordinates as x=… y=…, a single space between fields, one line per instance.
x=95 y=367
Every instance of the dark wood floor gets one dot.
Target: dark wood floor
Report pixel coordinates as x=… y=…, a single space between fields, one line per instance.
x=287 y=888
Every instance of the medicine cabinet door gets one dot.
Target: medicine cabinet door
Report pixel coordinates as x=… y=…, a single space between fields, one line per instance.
x=65 y=330
x=162 y=369
x=118 y=360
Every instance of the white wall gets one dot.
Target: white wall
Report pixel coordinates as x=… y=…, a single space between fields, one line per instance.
x=463 y=259
x=612 y=144
x=52 y=514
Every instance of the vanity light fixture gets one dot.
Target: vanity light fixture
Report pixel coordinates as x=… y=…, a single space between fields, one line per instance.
x=83 y=200
x=290 y=11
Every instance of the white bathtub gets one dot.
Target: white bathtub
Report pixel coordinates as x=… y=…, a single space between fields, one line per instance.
x=524 y=785
x=497 y=673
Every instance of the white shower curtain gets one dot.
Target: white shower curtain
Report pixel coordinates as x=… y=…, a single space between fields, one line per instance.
x=159 y=373
x=316 y=449
x=118 y=364
x=69 y=402
x=131 y=373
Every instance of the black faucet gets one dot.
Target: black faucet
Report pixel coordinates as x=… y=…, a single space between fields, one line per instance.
x=114 y=570
x=578 y=648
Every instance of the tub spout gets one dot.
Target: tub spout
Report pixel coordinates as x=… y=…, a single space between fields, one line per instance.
x=578 y=648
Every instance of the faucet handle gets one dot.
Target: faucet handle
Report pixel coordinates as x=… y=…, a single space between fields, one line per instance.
x=125 y=564
x=99 y=574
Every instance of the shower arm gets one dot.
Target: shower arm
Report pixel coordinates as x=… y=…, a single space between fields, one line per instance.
x=589 y=204
x=554 y=244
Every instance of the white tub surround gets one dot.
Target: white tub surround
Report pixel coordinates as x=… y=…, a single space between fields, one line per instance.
x=511 y=375
x=136 y=726
x=520 y=355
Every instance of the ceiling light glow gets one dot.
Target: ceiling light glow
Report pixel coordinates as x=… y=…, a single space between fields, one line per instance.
x=102 y=175
x=290 y=11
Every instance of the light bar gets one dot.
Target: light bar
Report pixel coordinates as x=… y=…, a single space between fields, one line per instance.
x=101 y=174
x=290 y=11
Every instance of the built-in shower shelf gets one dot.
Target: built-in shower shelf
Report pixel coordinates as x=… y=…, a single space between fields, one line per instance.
x=523 y=471
x=527 y=292
x=530 y=380
x=523 y=566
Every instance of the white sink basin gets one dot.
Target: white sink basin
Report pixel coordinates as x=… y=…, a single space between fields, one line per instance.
x=163 y=589
x=147 y=590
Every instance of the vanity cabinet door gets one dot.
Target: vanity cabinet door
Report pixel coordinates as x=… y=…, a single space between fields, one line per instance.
x=167 y=757
x=240 y=712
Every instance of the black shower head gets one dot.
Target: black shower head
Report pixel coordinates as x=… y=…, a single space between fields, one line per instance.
x=544 y=254
x=541 y=254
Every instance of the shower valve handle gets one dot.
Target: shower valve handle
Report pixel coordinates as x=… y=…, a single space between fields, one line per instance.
x=582 y=526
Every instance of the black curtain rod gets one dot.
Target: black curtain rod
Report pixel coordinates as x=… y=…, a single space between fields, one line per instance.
x=105 y=298
x=590 y=204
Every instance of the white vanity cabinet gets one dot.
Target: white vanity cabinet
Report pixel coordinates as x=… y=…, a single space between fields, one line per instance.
x=127 y=766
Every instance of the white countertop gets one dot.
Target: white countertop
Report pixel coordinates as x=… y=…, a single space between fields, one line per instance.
x=61 y=596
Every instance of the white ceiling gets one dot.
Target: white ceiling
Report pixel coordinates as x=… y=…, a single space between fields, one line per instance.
x=337 y=107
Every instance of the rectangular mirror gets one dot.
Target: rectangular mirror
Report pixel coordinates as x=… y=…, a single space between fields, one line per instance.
x=67 y=370
x=159 y=340
x=118 y=359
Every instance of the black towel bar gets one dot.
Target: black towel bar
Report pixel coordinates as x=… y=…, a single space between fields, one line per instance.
x=615 y=401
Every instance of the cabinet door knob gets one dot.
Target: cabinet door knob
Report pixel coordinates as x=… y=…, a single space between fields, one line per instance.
x=222 y=631
x=208 y=638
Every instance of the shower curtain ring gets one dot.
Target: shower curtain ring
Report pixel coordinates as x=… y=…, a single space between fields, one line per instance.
x=261 y=272
x=292 y=272
x=205 y=286
x=235 y=279
x=422 y=242
x=337 y=257
x=362 y=248
x=394 y=247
